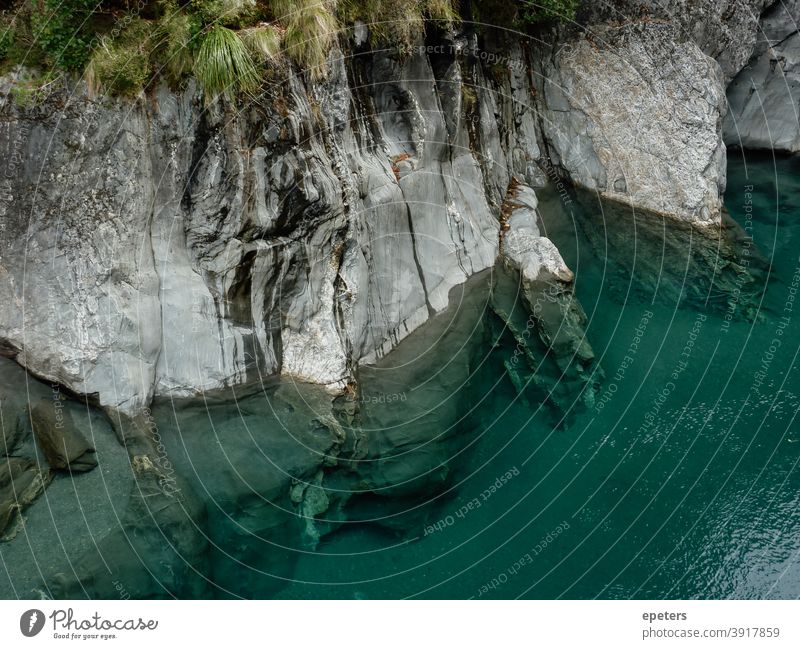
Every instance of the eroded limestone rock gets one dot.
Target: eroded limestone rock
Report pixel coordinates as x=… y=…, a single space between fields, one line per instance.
x=535 y=302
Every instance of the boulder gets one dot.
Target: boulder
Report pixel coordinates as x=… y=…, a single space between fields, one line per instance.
x=633 y=112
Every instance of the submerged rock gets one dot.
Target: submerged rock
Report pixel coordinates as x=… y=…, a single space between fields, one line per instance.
x=157 y=549
x=11 y=428
x=22 y=481
x=535 y=301
x=64 y=447
x=707 y=267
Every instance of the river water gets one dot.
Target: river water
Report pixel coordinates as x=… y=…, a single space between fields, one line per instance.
x=681 y=483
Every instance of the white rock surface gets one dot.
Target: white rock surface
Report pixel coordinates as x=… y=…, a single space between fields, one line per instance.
x=166 y=248
x=634 y=113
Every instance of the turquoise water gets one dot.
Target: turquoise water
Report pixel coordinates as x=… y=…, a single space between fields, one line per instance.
x=683 y=485
x=680 y=482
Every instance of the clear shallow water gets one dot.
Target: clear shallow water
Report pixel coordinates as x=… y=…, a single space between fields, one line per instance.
x=691 y=494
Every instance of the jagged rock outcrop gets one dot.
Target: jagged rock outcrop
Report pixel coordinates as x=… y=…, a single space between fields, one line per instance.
x=764 y=95
x=536 y=304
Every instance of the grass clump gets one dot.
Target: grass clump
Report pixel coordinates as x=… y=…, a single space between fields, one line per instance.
x=223 y=63
x=311 y=30
x=264 y=42
x=122 y=66
x=390 y=22
x=32 y=87
x=175 y=36
x=229 y=13
x=399 y=22
x=442 y=13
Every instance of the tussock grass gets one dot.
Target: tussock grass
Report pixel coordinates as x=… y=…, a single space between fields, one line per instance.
x=175 y=37
x=263 y=42
x=442 y=13
x=311 y=31
x=225 y=12
x=399 y=22
x=223 y=64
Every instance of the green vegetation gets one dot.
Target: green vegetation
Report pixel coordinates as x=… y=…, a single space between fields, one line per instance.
x=547 y=10
x=523 y=14
x=223 y=63
x=122 y=66
x=175 y=36
x=61 y=31
x=228 y=45
x=398 y=22
x=311 y=31
x=264 y=43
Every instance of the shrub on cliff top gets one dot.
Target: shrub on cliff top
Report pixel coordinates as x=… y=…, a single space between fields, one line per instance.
x=60 y=30
x=224 y=42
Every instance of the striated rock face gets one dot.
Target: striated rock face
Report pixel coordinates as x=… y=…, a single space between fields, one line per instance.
x=167 y=248
x=163 y=249
x=764 y=96
x=634 y=113
x=289 y=464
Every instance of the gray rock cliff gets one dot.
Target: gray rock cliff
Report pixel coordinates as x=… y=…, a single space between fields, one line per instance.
x=765 y=95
